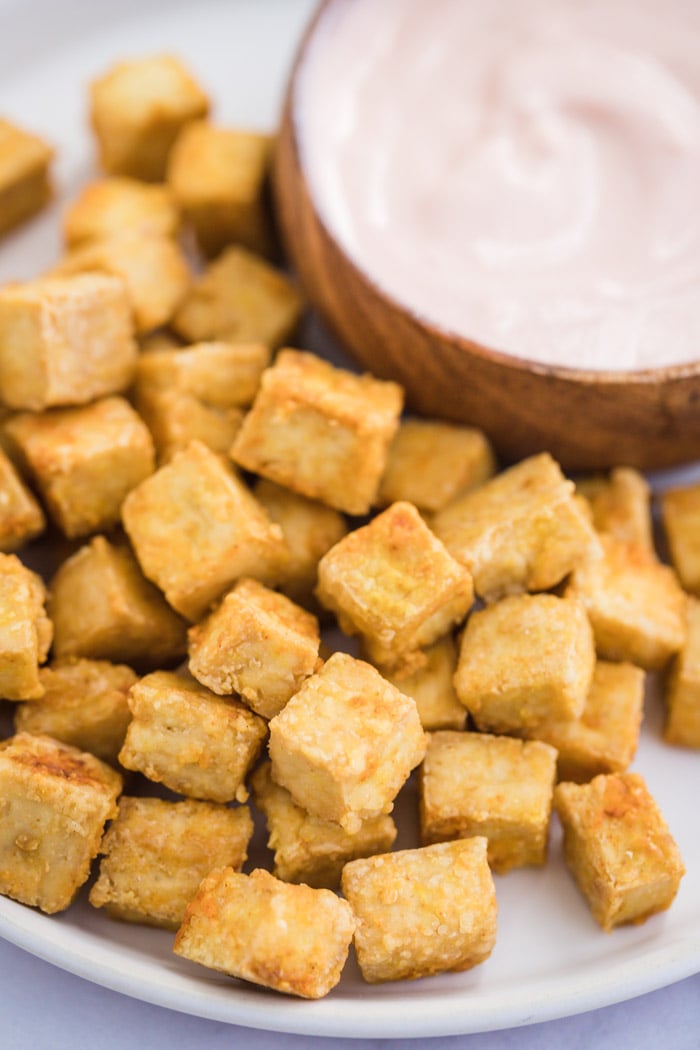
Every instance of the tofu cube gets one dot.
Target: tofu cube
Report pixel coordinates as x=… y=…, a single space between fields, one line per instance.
x=156 y=853
x=240 y=298
x=225 y=375
x=257 y=644
x=137 y=110
x=175 y=418
x=680 y=512
x=25 y=185
x=108 y=207
x=321 y=431
x=619 y=848
x=345 y=743
x=422 y=911
x=54 y=802
x=219 y=178
x=683 y=686
x=84 y=704
x=310 y=850
x=525 y=660
x=620 y=505
x=521 y=531
x=636 y=605
x=25 y=630
x=432 y=463
x=65 y=341
x=197 y=529
x=294 y=939
x=495 y=786
x=84 y=460
x=103 y=608
x=184 y=736
x=394 y=583
x=432 y=687
x=21 y=517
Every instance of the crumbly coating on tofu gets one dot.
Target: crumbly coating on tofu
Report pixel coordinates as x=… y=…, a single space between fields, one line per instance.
x=26 y=632
x=21 y=517
x=175 y=418
x=683 y=686
x=110 y=206
x=432 y=687
x=620 y=504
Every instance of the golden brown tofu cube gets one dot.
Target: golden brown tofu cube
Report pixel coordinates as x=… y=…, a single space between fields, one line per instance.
x=680 y=511
x=683 y=686
x=346 y=742
x=620 y=505
x=85 y=460
x=320 y=430
x=432 y=687
x=21 y=517
x=495 y=786
x=197 y=529
x=84 y=704
x=65 y=341
x=25 y=630
x=241 y=298
x=175 y=418
x=520 y=531
x=525 y=660
x=310 y=850
x=219 y=178
x=184 y=736
x=619 y=848
x=636 y=605
x=395 y=584
x=294 y=939
x=103 y=608
x=257 y=644
x=310 y=530
x=137 y=110
x=226 y=375
x=153 y=268
x=111 y=206
x=25 y=186
x=422 y=911
x=156 y=853
x=54 y=802
x=432 y=463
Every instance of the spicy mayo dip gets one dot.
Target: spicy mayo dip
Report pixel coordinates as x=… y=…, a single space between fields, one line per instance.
x=521 y=173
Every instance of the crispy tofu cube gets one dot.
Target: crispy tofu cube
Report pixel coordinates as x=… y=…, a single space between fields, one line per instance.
x=310 y=850
x=525 y=660
x=636 y=605
x=84 y=460
x=156 y=853
x=521 y=531
x=620 y=505
x=240 y=298
x=226 y=375
x=21 y=517
x=346 y=742
x=219 y=179
x=25 y=185
x=294 y=939
x=153 y=268
x=54 y=802
x=175 y=418
x=432 y=687
x=103 y=608
x=683 y=686
x=257 y=644
x=84 y=704
x=184 y=736
x=680 y=511
x=111 y=206
x=25 y=630
x=422 y=911
x=310 y=530
x=395 y=584
x=619 y=848
x=65 y=341
x=321 y=431
x=197 y=529
x=432 y=463
x=137 y=110
x=495 y=786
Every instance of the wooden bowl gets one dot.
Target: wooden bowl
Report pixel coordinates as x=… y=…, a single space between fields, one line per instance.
x=586 y=419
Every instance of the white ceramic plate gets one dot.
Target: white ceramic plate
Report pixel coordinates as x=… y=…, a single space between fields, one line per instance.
x=551 y=959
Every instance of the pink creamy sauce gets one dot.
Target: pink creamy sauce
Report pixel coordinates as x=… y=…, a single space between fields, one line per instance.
x=523 y=173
